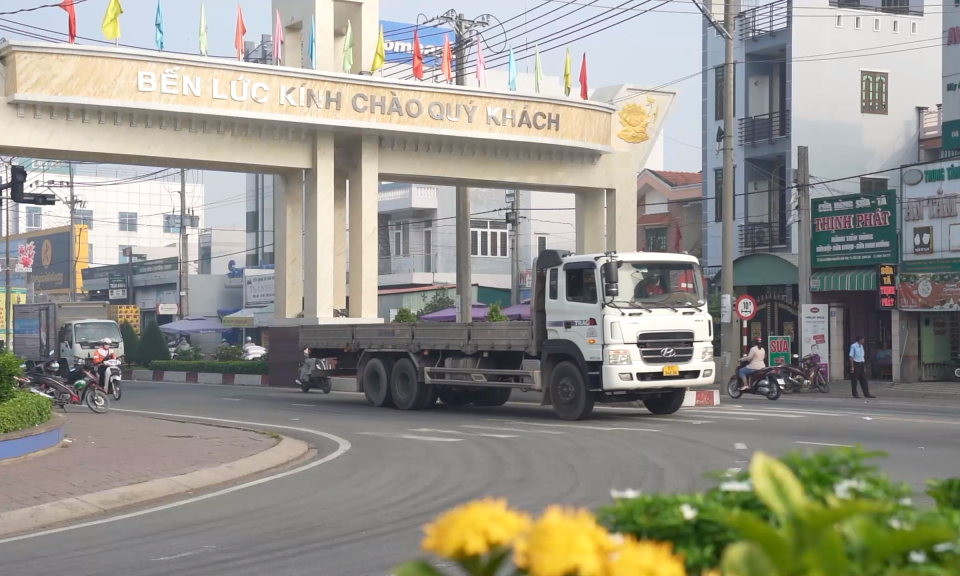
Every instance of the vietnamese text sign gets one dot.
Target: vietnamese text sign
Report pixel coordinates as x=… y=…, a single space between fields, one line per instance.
x=815 y=333
x=854 y=230
x=778 y=350
x=887 y=286
x=258 y=289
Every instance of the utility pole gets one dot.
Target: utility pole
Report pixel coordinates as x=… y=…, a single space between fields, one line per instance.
x=462 y=27
x=73 y=238
x=803 y=223
x=730 y=337
x=184 y=248
x=6 y=267
x=513 y=218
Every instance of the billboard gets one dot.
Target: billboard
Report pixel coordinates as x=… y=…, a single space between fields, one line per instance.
x=398 y=43
x=815 y=329
x=43 y=258
x=854 y=230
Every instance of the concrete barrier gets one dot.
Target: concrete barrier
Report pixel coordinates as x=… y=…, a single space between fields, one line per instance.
x=24 y=442
x=196 y=377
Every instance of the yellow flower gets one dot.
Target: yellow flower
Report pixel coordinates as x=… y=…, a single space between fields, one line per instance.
x=472 y=529
x=562 y=542
x=713 y=572
x=645 y=558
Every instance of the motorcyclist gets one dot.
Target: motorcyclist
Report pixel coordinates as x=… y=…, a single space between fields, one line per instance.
x=100 y=355
x=755 y=361
x=248 y=343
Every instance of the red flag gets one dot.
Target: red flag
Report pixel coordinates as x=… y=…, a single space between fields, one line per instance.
x=583 y=77
x=71 y=19
x=677 y=239
x=238 y=34
x=445 y=61
x=417 y=58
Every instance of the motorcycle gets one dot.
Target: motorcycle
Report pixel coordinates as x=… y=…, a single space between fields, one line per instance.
x=956 y=368
x=764 y=382
x=113 y=374
x=86 y=382
x=806 y=375
x=80 y=386
x=306 y=382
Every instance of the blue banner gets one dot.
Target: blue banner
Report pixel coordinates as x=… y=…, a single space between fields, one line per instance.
x=398 y=42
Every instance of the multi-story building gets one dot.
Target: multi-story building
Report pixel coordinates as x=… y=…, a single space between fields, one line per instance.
x=668 y=212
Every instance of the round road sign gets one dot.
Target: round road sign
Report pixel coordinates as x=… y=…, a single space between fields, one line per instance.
x=746 y=307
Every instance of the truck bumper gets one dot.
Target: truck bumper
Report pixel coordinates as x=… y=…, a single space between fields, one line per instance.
x=639 y=378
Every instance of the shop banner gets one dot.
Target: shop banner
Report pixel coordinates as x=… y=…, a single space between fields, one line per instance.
x=887 y=286
x=939 y=291
x=258 y=287
x=815 y=330
x=778 y=350
x=854 y=230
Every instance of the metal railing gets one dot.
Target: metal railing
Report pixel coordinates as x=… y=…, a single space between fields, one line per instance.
x=765 y=19
x=412 y=263
x=931 y=124
x=903 y=8
x=764 y=127
x=761 y=237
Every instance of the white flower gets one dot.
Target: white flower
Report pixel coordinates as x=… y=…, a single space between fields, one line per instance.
x=918 y=556
x=843 y=487
x=906 y=502
x=688 y=511
x=627 y=494
x=895 y=524
x=733 y=486
x=945 y=547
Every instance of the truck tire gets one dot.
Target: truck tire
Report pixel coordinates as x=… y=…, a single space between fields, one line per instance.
x=666 y=403
x=568 y=392
x=451 y=396
x=430 y=398
x=376 y=382
x=407 y=392
x=492 y=397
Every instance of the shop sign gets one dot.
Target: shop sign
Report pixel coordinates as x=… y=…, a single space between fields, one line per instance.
x=887 y=286
x=778 y=350
x=46 y=255
x=951 y=133
x=167 y=309
x=854 y=230
x=258 y=287
x=939 y=206
x=117 y=286
x=922 y=239
x=930 y=285
x=815 y=331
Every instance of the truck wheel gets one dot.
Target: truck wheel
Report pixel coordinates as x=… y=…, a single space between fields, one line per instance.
x=454 y=397
x=407 y=392
x=376 y=382
x=492 y=397
x=666 y=403
x=568 y=393
x=430 y=398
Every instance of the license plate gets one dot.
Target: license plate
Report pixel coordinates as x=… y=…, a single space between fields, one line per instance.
x=671 y=370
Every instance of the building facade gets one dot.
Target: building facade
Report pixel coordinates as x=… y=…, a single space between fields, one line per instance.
x=669 y=215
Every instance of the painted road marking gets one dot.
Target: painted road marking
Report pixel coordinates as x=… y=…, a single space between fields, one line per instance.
x=579 y=426
x=343 y=446
x=499 y=429
x=805 y=412
x=746 y=413
x=485 y=435
x=184 y=554
x=739 y=446
x=307 y=405
x=410 y=437
x=824 y=444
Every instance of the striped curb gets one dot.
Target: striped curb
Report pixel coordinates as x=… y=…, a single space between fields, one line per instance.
x=196 y=377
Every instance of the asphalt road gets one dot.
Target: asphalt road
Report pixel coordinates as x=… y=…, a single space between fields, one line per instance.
x=360 y=513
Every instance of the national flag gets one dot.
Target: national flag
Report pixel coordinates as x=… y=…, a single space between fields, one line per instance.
x=537 y=70
x=67 y=6
x=111 y=20
x=566 y=74
x=583 y=77
x=445 y=59
x=203 y=31
x=348 y=49
x=417 y=57
x=379 y=55
x=481 y=65
x=512 y=71
x=277 y=41
x=312 y=43
x=158 y=25
x=238 y=34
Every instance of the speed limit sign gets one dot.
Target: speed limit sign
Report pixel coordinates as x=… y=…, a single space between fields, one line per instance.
x=746 y=307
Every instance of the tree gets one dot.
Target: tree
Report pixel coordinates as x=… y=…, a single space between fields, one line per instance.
x=131 y=343
x=495 y=315
x=439 y=301
x=153 y=346
x=404 y=316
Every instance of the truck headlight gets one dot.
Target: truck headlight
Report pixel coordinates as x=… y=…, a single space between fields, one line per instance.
x=618 y=357
x=707 y=354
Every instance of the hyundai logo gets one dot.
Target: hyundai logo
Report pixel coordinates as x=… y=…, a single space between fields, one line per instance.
x=668 y=352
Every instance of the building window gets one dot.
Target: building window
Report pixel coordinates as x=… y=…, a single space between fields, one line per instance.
x=128 y=221
x=582 y=285
x=553 y=283
x=121 y=258
x=401 y=239
x=839 y=21
x=541 y=244
x=171 y=224
x=896 y=6
x=206 y=260
x=873 y=92
x=89 y=254
x=876 y=24
x=718 y=194
x=253 y=221
x=873 y=185
x=896 y=26
x=34 y=218
x=488 y=238
x=914 y=28
x=857 y=23
x=718 y=86
x=84 y=218
x=656 y=239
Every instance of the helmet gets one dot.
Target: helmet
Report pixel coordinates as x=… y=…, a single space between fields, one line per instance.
x=758 y=340
x=107 y=342
x=249 y=339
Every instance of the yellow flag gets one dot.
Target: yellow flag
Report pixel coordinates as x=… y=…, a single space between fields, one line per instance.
x=111 y=20
x=566 y=74
x=378 y=55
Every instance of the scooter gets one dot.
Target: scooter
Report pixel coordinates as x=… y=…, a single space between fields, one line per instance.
x=764 y=382
x=803 y=373
x=113 y=375
x=306 y=382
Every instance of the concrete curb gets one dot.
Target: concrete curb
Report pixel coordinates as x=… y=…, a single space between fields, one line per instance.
x=30 y=441
x=196 y=377
x=72 y=509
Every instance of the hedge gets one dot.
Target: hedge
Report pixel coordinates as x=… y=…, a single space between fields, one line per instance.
x=24 y=410
x=210 y=366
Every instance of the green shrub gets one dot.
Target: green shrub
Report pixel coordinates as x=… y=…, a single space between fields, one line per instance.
x=252 y=367
x=9 y=367
x=946 y=493
x=153 y=346
x=191 y=354
x=131 y=343
x=227 y=353
x=439 y=301
x=404 y=316
x=495 y=315
x=24 y=410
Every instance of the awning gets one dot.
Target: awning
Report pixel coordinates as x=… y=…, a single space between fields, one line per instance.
x=763 y=270
x=250 y=317
x=844 y=280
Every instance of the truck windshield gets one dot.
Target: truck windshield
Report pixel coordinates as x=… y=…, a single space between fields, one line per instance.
x=661 y=284
x=90 y=332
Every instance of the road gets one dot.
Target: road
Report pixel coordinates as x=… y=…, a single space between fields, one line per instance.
x=360 y=513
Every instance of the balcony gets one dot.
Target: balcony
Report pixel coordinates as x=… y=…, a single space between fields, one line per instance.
x=884 y=6
x=393 y=198
x=763 y=237
x=764 y=128
x=764 y=20
x=931 y=123
x=419 y=266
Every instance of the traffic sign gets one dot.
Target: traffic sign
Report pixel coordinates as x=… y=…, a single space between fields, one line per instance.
x=746 y=307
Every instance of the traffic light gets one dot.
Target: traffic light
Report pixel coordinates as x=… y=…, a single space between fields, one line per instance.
x=18 y=175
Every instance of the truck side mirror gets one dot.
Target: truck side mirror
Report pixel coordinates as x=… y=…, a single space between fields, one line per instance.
x=611 y=278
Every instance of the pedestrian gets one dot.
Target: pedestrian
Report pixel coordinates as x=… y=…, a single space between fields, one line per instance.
x=858 y=371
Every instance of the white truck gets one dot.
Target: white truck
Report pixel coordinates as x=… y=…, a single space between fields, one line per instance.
x=68 y=331
x=603 y=328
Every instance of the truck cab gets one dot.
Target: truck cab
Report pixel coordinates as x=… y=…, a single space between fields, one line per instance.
x=79 y=338
x=631 y=326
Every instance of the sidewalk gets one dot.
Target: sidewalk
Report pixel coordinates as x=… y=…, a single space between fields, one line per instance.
x=838 y=388
x=104 y=451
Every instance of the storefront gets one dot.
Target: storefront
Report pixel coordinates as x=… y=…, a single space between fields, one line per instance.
x=851 y=237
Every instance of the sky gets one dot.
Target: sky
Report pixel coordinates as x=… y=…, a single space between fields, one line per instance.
x=647 y=49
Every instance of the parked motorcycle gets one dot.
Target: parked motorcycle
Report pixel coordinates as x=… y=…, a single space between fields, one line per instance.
x=80 y=386
x=764 y=382
x=86 y=383
x=803 y=373
x=956 y=368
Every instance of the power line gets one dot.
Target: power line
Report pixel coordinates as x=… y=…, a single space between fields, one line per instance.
x=41 y=7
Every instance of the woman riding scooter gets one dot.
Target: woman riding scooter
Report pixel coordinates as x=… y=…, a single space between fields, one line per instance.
x=755 y=361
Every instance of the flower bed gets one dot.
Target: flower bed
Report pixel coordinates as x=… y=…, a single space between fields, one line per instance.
x=827 y=514
x=24 y=410
x=241 y=367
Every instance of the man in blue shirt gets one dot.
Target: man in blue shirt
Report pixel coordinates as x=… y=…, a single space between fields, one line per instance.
x=857 y=368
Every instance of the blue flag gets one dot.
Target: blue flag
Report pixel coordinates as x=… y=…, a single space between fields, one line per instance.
x=312 y=45
x=159 y=25
x=512 y=72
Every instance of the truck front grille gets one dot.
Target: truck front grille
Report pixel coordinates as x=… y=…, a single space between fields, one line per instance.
x=665 y=347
